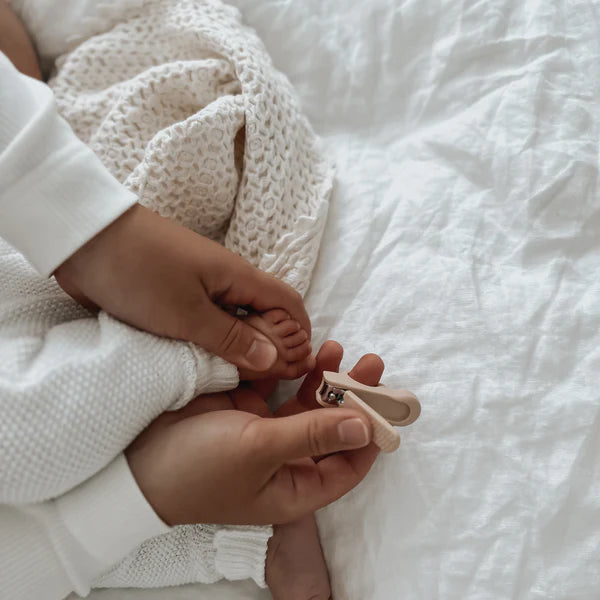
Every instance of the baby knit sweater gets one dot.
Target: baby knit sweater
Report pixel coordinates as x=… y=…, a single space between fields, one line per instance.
x=184 y=107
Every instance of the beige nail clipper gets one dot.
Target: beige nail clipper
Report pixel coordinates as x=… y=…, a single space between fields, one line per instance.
x=384 y=406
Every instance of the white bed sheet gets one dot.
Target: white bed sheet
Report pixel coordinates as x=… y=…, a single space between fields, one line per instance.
x=463 y=246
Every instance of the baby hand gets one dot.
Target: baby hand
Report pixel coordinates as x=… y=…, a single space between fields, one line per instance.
x=166 y=279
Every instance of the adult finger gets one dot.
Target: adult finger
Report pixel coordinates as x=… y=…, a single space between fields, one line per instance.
x=233 y=340
x=328 y=359
x=263 y=291
x=313 y=433
x=301 y=487
x=368 y=369
x=246 y=399
x=264 y=387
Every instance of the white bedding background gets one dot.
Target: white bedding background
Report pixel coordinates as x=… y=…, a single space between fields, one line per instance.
x=463 y=246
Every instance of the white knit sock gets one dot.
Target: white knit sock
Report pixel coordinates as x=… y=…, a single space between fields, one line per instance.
x=194 y=554
x=241 y=552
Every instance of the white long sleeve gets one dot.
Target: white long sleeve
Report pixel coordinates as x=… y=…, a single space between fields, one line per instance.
x=104 y=533
x=55 y=193
x=50 y=549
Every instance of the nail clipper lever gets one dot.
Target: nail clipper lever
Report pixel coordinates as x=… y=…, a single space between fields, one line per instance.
x=383 y=406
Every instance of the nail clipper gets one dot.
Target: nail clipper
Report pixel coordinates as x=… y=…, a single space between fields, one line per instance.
x=383 y=406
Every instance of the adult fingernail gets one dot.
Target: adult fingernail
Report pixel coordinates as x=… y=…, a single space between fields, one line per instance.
x=262 y=354
x=353 y=432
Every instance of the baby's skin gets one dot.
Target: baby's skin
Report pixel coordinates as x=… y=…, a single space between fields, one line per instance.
x=293 y=345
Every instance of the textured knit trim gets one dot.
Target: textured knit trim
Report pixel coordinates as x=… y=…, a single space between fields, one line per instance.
x=191 y=554
x=225 y=376
x=241 y=553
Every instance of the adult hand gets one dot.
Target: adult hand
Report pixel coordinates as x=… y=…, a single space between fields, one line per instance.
x=158 y=276
x=209 y=464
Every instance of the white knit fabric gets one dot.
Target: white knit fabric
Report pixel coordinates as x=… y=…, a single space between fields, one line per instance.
x=194 y=553
x=76 y=389
x=183 y=105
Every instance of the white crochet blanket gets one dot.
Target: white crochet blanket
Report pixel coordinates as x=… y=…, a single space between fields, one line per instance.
x=183 y=105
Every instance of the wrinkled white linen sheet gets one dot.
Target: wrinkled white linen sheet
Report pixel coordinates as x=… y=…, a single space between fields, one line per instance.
x=463 y=246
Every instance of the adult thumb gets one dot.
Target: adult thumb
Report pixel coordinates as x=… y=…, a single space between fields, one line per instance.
x=313 y=433
x=235 y=341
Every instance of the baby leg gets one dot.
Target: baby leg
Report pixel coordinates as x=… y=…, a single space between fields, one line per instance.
x=295 y=566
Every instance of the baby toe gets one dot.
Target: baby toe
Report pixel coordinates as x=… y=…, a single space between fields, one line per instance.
x=295 y=339
x=297 y=353
x=276 y=316
x=286 y=328
x=293 y=370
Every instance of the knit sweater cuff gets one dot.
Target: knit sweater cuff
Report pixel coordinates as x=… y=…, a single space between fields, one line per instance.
x=241 y=553
x=223 y=375
x=56 y=194
x=204 y=373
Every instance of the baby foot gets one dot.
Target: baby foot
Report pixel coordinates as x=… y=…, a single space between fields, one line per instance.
x=295 y=567
x=292 y=343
